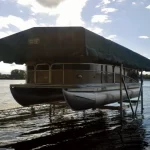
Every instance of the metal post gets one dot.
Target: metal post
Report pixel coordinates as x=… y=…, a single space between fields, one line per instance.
x=127 y=95
x=106 y=74
x=53 y=109
x=32 y=110
x=121 y=97
x=34 y=74
x=101 y=73
x=124 y=74
x=138 y=99
x=49 y=74
x=63 y=74
x=141 y=92
x=27 y=74
x=113 y=67
x=50 y=113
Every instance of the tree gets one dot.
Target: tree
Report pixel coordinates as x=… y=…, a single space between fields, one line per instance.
x=18 y=74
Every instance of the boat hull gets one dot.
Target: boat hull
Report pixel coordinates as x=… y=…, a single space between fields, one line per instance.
x=78 y=97
x=95 y=99
x=28 y=95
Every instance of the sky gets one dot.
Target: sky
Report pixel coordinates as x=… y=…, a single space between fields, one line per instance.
x=126 y=22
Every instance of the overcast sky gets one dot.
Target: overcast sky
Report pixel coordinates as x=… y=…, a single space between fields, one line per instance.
x=126 y=22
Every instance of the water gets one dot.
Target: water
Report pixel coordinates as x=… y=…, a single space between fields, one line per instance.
x=66 y=129
x=6 y=99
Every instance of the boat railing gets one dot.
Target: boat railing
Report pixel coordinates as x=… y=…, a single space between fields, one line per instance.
x=63 y=69
x=104 y=74
x=35 y=71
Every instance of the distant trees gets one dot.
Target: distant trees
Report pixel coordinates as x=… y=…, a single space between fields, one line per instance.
x=15 y=74
x=146 y=76
x=4 y=76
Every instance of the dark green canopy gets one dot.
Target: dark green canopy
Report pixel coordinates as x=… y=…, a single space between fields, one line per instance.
x=67 y=44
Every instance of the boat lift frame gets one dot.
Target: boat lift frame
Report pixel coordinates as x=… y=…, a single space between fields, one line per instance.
x=122 y=84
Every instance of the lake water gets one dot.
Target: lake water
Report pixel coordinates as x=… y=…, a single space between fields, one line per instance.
x=6 y=99
x=63 y=128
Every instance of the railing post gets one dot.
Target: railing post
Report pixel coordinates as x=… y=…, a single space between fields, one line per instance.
x=121 y=96
x=26 y=73
x=113 y=67
x=34 y=73
x=106 y=75
x=49 y=69
x=141 y=92
x=101 y=73
x=63 y=74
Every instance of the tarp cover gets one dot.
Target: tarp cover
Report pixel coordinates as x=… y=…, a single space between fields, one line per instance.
x=67 y=44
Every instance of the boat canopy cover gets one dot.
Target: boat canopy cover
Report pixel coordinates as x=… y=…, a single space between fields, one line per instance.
x=67 y=44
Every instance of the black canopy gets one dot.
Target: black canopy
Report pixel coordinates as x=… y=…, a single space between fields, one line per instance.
x=67 y=44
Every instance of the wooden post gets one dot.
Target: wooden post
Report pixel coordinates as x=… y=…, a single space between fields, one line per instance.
x=121 y=97
x=141 y=92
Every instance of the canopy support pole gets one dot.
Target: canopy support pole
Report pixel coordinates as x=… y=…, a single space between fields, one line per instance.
x=138 y=98
x=121 y=95
x=128 y=96
x=113 y=68
x=142 y=92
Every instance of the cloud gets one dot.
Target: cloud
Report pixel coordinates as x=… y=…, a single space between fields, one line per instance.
x=96 y=30
x=105 y=2
x=143 y=37
x=100 y=19
x=119 y=1
x=108 y=10
x=112 y=37
x=44 y=3
x=17 y=22
x=133 y=3
x=70 y=13
x=6 y=33
x=37 y=7
x=148 y=7
x=25 y=3
x=67 y=12
x=49 y=3
x=98 y=5
x=7 y=68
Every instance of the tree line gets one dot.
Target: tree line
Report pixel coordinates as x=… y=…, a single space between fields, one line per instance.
x=146 y=76
x=15 y=74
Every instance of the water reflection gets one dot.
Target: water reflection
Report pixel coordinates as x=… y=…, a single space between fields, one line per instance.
x=61 y=128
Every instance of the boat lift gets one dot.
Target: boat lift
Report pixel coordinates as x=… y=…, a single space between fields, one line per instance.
x=50 y=44
x=123 y=84
x=120 y=108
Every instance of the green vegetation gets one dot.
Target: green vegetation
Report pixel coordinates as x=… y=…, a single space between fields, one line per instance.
x=146 y=76
x=15 y=74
